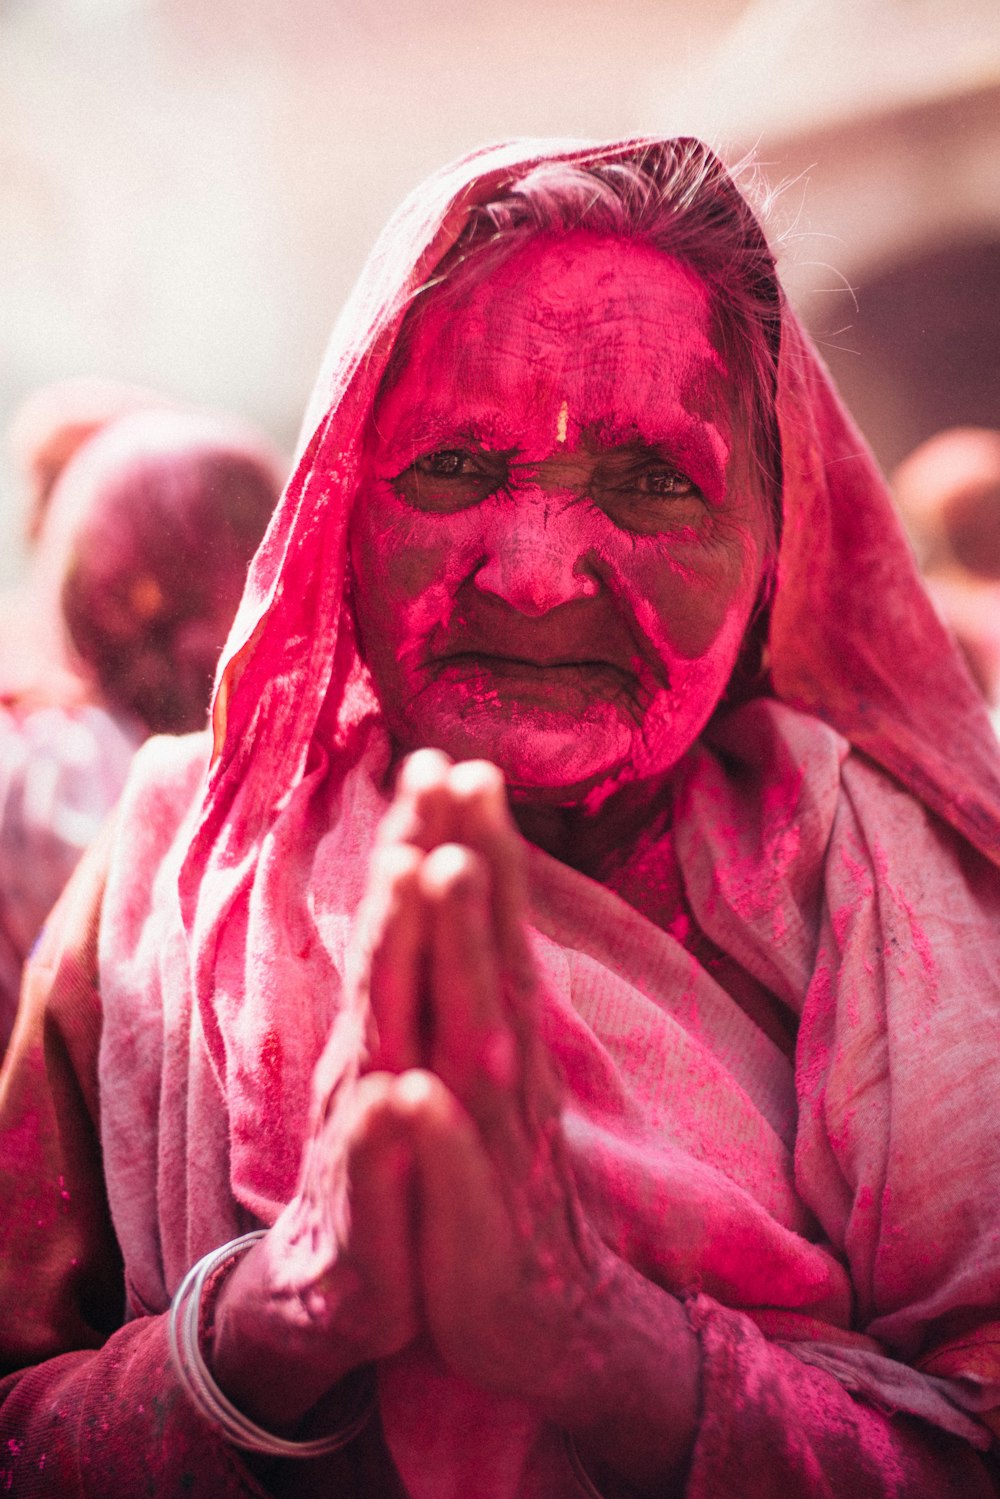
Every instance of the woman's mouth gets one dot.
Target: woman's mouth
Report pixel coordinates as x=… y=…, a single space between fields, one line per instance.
x=559 y=685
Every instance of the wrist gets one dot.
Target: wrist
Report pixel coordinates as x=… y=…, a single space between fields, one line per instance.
x=190 y=1317
x=261 y=1354
x=631 y=1398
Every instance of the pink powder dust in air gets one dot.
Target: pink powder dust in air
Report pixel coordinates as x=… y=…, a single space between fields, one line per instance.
x=557 y=545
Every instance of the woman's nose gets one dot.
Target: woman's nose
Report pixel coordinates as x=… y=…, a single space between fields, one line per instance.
x=536 y=552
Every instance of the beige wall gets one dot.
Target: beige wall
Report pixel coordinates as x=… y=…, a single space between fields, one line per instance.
x=910 y=201
x=189 y=187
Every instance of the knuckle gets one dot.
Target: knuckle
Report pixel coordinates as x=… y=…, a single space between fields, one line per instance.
x=398 y=865
x=375 y=1121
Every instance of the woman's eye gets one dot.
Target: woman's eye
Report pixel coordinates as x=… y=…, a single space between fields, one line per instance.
x=451 y=479
x=449 y=463
x=646 y=494
x=666 y=482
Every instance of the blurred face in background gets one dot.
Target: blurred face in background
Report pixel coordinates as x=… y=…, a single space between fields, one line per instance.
x=155 y=562
x=948 y=491
x=152 y=637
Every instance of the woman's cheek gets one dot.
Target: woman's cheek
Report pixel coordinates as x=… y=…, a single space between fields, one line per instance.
x=700 y=595
x=388 y=558
x=411 y=570
x=677 y=603
x=425 y=563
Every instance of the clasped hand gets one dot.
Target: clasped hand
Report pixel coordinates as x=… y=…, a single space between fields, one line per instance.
x=435 y=1197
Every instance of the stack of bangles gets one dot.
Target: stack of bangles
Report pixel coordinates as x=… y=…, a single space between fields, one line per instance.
x=205 y=1395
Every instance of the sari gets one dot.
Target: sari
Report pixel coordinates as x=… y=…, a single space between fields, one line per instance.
x=775 y=1024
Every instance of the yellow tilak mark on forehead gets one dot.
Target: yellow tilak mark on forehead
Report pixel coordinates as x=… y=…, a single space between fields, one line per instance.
x=562 y=422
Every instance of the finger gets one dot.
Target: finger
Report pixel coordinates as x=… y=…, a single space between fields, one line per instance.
x=484 y=822
x=457 y=1178
x=487 y=826
x=421 y=809
x=380 y=1164
x=483 y=817
x=395 y=959
x=505 y=1266
x=351 y=1255
x=366 y=1141
x=461 y=1209
x=473 y=1048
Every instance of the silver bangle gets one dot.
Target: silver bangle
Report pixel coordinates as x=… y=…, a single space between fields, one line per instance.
x=202 y=1390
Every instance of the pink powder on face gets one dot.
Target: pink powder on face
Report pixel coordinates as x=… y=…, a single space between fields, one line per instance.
x=557 y=545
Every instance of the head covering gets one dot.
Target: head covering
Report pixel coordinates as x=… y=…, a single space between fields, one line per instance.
x=218 y=1003
x=140 y=565
x=55 y=420
x=847 y=581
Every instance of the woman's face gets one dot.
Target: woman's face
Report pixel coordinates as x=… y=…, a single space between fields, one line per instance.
x=556 y=546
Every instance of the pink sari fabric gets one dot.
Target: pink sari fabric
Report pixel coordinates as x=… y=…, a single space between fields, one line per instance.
x=62 y=770
x=845 y=1201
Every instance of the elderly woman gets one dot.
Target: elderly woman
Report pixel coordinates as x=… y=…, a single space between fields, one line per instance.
x=551 y=1049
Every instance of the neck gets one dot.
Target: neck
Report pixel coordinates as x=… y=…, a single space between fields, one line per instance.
x=592 y=840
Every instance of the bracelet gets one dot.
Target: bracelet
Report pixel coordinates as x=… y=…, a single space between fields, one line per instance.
x=202 y=1390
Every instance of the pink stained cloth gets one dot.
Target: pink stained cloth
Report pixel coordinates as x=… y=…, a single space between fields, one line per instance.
x=62 y=769
x=836 y=845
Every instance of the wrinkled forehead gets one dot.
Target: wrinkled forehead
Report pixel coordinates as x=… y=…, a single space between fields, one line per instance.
x=568 y=275
x=617 y=317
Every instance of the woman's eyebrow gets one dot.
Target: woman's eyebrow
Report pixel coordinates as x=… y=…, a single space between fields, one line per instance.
x=424 y=426
x=691 y=442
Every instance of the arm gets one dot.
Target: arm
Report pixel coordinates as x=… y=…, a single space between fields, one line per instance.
x=520 y=1297
x=800 y=1433
x=86 y=1419
x=661 y=1398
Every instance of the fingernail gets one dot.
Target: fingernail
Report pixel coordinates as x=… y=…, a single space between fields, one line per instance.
x=414 y=1088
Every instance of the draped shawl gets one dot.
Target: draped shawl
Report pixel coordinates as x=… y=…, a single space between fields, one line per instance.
x=833 y=843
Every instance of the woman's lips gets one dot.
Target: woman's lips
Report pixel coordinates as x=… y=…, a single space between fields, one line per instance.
x=558 y=684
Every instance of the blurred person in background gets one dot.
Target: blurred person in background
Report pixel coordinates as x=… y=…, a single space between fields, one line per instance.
x=147 y=517
x=542 y=1042
x=52 y=422
x=948 y=491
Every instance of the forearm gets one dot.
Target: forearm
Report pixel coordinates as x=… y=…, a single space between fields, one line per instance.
x=111 y=1424
x=772 y=1426
x=669 y=1399
x=631 y=1396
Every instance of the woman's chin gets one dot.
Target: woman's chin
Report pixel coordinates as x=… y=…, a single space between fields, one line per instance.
x=558 y=761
